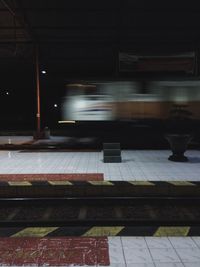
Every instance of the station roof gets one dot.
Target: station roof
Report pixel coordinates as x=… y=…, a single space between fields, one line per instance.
x=83 y=38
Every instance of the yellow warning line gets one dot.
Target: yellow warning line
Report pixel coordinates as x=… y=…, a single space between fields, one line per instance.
x=142 y=183
x=21 y=183
x=181 y=183
x=172 y=231
x=60 y=183
x=35 y=231
x=96 y=231
x=100 y=183
x=104 y=231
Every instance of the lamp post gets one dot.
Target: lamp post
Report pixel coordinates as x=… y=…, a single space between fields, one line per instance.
x=38 y=90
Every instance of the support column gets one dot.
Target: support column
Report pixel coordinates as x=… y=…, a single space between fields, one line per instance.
x=38 y=90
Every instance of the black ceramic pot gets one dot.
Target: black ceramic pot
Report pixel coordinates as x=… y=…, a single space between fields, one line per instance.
x=178 y=144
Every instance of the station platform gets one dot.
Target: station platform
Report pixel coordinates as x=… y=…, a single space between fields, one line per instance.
x=104 y=246
x=111 y=251
x=23 y=155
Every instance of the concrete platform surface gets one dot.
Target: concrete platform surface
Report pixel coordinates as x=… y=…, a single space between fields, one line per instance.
x=136 y=164
x=116 y=252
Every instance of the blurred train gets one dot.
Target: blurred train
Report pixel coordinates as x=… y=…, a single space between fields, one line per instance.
x=129 y=101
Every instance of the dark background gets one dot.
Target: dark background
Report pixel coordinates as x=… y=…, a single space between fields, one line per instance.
x=80 y=40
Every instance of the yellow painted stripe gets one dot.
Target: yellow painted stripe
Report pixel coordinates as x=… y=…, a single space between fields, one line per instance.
x=100 y=183
x=60 y=183
x=104 y=231
x=144 y=183
x=35 y=231
x=21 y=183
x=181 y=183
x=172 y=231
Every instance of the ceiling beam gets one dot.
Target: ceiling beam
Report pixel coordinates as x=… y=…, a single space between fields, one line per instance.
x=67 y=9
x=100 y=42
x=20 y=18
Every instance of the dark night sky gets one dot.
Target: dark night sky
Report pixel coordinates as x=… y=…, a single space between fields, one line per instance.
x=80 y=40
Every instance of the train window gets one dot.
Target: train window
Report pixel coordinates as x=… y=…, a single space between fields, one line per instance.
x=90 y=91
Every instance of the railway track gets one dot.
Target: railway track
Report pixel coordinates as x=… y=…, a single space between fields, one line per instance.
x=99 y=211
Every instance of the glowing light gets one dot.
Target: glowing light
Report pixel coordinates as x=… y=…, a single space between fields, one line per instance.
x=55 y=105
x=7 y=93
x=66 y=121
x=44 y=72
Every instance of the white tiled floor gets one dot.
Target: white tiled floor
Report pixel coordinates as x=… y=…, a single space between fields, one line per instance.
x=154 y=251
x=136 y=164
x=17 y=140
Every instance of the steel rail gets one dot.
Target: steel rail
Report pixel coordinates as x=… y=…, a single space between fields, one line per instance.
x=99 y=222
x=152 y=203
x=159 y=200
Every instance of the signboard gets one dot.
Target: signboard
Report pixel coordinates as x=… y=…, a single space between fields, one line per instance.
x=129 y=62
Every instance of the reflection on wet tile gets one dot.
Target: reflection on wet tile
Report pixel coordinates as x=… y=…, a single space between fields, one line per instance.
x=158 y=242
x=140 y=265
x=115 y=250
x=189 y=254
x=111 y=265
x=134 y=242
x=137 y=255
x=182 y=242
x=191 y=264
x=164 y=255
x=169 y=264
x=196 y=240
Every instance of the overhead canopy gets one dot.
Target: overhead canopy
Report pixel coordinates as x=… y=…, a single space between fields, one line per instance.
x=84 y=38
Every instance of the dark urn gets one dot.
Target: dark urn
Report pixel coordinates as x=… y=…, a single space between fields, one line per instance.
x=180 y=128
x=178 y=144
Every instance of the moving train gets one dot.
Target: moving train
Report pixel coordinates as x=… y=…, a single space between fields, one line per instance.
x=124 y=101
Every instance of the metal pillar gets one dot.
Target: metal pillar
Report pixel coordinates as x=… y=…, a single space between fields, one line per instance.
x=38 y=89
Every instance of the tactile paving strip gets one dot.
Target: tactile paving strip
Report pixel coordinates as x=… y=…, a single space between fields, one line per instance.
x=60 y=251
x=52 y=177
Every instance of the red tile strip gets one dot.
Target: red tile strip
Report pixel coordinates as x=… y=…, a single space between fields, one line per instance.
x=52 y=177
x=54 y=251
